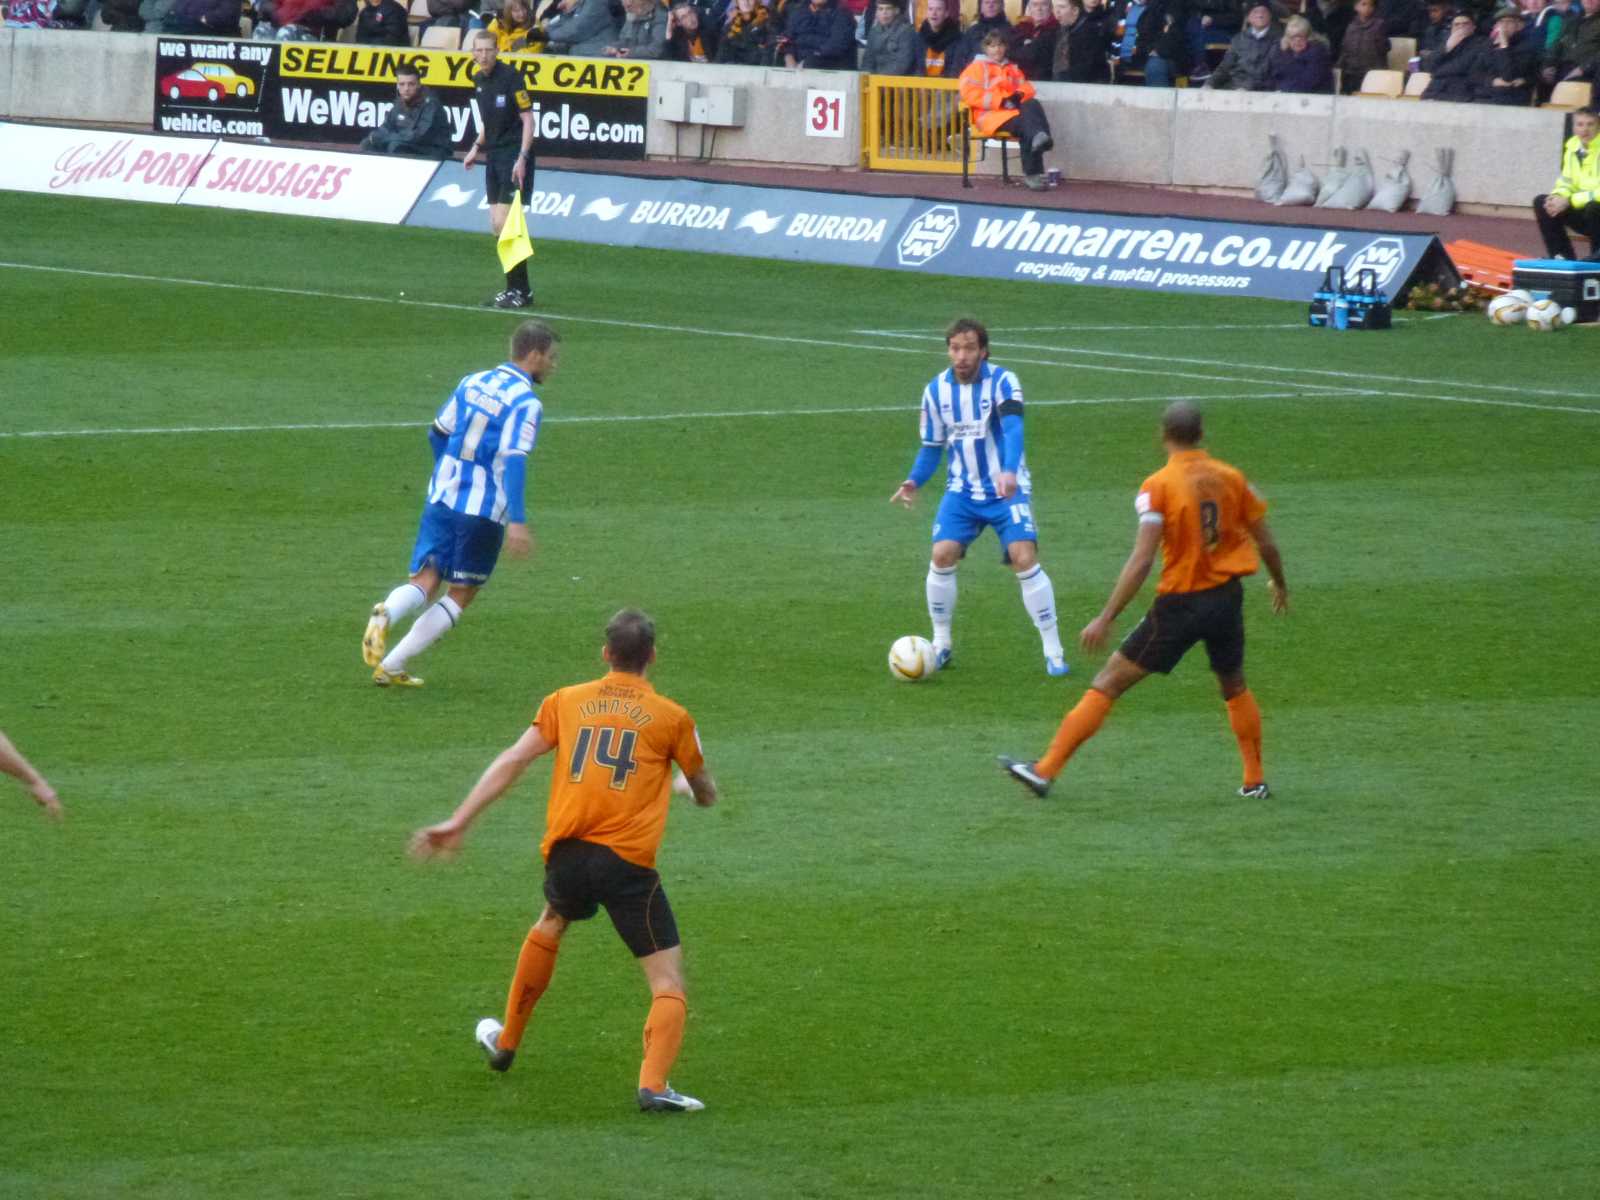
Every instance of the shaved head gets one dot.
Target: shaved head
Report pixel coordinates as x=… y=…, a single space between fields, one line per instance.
x=1180 y=424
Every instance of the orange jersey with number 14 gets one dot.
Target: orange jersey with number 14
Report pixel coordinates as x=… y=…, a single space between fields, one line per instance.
x=1206 y=509
x=616 y=741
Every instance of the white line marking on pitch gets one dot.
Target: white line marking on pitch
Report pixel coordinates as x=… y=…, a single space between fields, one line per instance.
x=1162 y=369
x=906 y=410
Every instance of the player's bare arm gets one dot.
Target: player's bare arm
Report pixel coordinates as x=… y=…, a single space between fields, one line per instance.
x=519 y=540
x=1268 y=546
x=519 y=169
x=1134 y=572
x=703 y=788
x=905 y=495
x=14 y=764
x=503 y=773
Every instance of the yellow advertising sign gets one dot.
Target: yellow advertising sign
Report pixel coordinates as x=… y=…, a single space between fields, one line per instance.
x=442 y=69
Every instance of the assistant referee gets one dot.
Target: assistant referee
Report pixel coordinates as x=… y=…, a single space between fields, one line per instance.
x=505 y=143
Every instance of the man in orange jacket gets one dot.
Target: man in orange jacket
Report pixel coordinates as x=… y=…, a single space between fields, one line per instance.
x=1001 y=100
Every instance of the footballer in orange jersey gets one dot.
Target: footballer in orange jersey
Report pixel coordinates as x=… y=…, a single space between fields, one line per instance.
x=615 y=741
x=1209 y=525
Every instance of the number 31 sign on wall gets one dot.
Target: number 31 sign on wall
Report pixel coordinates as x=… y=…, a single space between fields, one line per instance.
x=825 y=114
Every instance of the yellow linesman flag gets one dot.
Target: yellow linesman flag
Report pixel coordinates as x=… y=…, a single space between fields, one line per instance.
x=513 y=244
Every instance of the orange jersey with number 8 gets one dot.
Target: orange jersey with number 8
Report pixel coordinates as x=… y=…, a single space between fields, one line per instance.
x=1205 y=508
x=616 y=741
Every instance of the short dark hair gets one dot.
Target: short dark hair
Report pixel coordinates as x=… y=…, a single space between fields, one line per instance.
x=406 y=68
x=994 y=37
x=1181 y=423
x=531 y=336
x=1591 y=111
x=630 y=640
x=968 y=325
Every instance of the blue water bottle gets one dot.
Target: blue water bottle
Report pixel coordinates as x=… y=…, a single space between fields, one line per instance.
x=1341 y=312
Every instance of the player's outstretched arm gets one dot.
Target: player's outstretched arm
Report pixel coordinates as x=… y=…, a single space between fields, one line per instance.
x=703 y=788
x=14 y=764
x=1268 y=545
x=446 y=837
x=1134 y=572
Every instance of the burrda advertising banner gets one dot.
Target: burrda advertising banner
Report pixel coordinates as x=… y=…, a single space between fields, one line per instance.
x=336 y=93
x=678 y=214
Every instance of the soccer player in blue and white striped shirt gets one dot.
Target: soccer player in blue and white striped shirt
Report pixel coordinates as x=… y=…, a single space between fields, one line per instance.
x=481 y=440
x=974 y=410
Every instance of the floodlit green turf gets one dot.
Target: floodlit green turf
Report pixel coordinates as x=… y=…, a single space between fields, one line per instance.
x=222 y=978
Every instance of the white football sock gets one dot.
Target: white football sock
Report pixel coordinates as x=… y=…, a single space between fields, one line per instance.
x=1039 y=598
x=941 y=603
x=424 y=632
x=404 y=600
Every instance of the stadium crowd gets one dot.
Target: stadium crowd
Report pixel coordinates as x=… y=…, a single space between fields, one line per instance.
x=1465 y=50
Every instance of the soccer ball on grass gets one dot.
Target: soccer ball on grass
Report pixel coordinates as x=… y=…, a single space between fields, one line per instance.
x=911 y=658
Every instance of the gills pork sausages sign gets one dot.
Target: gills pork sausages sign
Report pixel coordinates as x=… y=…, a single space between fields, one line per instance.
x=336 y=93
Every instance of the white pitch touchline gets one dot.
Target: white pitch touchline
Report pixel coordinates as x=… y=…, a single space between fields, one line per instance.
x=613 y=322
x=1211 y=362
x=902 y=409
x=901 y=333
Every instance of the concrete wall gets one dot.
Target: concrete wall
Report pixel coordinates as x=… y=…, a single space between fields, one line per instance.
x=775 y=120
x=1184 y=138
x=79 y=75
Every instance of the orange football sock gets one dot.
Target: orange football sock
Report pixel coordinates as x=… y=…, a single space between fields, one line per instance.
x=535 y=965
x=663 y=1035
x=1245 y=717
x=1077 y=727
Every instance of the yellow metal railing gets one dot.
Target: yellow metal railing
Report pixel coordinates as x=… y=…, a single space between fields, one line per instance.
x=910 y=123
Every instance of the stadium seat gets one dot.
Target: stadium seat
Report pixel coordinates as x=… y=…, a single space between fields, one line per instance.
x=1383 y=85
x=1570 y=94
x=441 y=37
x=1001 y=140
x=1416 y=85
x=1401 y=52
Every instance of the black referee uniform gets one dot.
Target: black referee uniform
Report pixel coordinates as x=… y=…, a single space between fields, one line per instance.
x=502 y=98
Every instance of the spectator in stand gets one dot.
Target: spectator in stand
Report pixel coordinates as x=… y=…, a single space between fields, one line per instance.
x=584 y=27
x=122 y=16
x=1164 y=40
x=1435 y=33
x=1574 y=202
x=937 y=37
x=643 y=33
x=1001 y=100
x=456 y=14
x=154 y=13
x=1216 y=18
x=204 y=18
x=1455 y=67
x=1081 y=45
x=1302 y=61
x=1544 y=19
x=294 y=20
x=379 y=23
x=1578 y=48
x=1247 y=66
x=1330 y=18
x=1365 y=47
x=689 y=39
x=415 y=124
x=1033 y=41
x=1508 y=68
x=821 y=35
x=1403 y=18
x=513 y=28
x=32 y=14
x=991 y=17
x=1128 y=56
x=891 y=42
x=747 y=41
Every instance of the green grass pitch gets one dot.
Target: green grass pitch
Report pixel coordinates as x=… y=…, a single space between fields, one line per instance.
x=222 y=977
